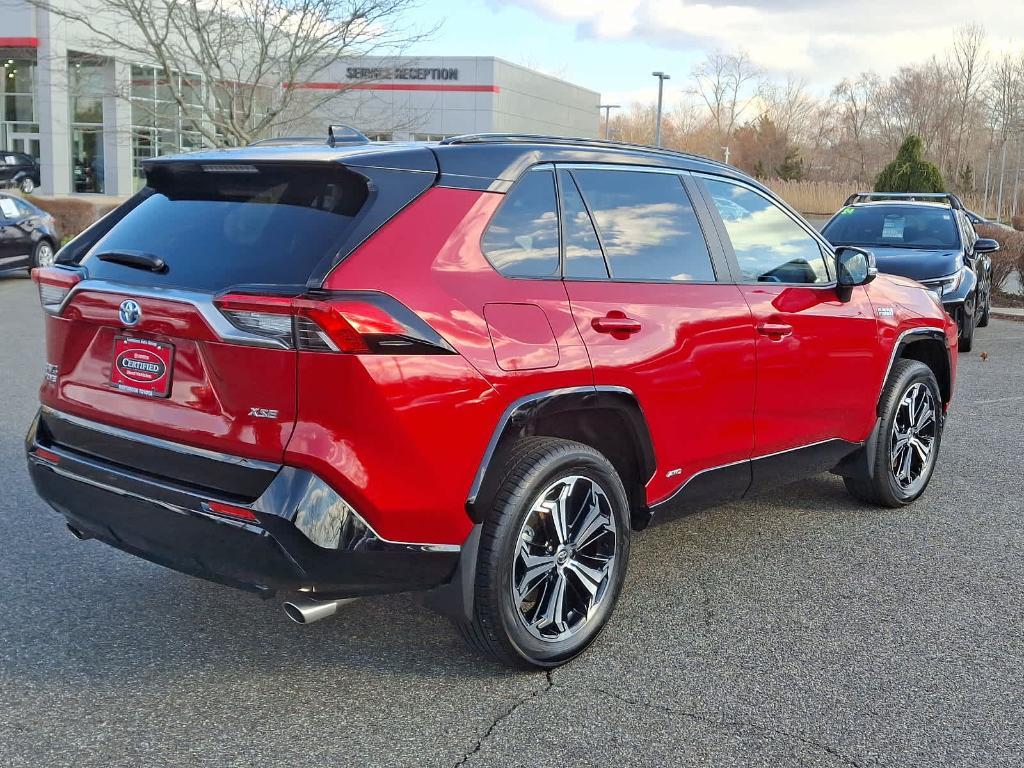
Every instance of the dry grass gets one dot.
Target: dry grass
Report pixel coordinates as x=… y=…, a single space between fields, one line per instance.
x=814 y=198
x=823 y=198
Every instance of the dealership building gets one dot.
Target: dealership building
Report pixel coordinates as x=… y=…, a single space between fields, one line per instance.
x=92 y=119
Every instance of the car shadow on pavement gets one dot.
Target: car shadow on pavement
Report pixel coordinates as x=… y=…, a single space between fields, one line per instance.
x=142 y=614
x=116 y=614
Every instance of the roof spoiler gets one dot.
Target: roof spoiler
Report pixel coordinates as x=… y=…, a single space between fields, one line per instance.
x=344 y=134
x=929 y=197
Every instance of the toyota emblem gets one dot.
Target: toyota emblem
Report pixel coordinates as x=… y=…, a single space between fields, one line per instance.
x=130 y=312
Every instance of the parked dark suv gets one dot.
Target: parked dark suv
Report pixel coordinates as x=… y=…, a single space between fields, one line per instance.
x=19 y=170
x=471 y=368
x=927 y=237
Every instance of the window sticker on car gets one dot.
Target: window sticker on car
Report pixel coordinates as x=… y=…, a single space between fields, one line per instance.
x=893 y=227
x=8 y=208
x=846 y=211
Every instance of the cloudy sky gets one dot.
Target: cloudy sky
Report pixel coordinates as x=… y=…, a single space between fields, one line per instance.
x=613 y=45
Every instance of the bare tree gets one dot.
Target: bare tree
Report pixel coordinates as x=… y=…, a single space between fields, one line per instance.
x=854 y=102
x=967 y=62
x=789 y=106
x=234 y=68
x=1007 y=100
x=725 y=82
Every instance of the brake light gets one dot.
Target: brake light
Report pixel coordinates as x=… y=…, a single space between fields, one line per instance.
x=54 y=286
x=361 y=322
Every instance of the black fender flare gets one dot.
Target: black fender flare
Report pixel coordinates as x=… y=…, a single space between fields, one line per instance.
x=454 y=599
x=521 y=416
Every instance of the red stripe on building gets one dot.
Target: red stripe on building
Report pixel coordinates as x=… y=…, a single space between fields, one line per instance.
x=19 y=42
x=397 y=87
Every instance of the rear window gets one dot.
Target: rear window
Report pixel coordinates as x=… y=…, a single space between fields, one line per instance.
x=903 y=226
x=219 y=225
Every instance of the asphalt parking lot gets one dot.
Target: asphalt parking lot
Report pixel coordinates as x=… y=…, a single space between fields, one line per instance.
x=798 y=629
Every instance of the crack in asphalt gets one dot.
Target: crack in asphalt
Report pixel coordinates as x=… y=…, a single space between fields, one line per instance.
x=699 y=717
x=549 y=684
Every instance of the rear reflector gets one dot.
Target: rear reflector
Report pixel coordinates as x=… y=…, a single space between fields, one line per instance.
x=49 y=456
x=353 y=322
x=54 y=286
x=230 y=510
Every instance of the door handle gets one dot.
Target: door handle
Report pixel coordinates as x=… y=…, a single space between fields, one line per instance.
x=774 y=331
x=617 y=324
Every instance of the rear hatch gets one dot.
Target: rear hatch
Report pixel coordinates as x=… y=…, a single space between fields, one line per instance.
x=145 y=341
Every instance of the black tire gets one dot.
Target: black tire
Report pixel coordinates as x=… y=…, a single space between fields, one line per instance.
x=881 y=486
x=966 y=342
x=43 y=254
x=983 y=320
x=500 y=627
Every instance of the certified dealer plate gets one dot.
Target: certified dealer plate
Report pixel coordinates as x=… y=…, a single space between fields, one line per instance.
x=142 y=367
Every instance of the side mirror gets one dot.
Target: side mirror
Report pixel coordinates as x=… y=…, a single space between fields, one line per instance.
x=855 y=266
x=986 y=245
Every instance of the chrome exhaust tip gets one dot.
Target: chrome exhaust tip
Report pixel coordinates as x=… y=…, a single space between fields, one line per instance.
x=307 y=611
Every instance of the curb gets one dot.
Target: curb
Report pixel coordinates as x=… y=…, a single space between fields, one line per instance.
x=1002 y=313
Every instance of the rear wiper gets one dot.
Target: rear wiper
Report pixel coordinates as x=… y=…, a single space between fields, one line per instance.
x=137 y=259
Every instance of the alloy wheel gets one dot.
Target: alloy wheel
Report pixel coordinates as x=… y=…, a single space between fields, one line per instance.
x=912 y=442
x=45 y=255
x=565 y=558
x=28 y=186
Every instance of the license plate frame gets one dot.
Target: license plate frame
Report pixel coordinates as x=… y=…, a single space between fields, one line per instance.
x=142 y=367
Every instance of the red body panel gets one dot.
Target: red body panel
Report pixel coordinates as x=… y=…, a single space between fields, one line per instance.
x=814 y=375
x=432 y=429
x=213 y=384
x=690 y=364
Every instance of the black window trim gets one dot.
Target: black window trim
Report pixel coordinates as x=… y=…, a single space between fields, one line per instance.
x=561 y=227
x=828 y=250
x=719 y=263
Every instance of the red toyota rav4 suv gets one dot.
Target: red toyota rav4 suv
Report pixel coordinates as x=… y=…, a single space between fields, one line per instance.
x=471 y=369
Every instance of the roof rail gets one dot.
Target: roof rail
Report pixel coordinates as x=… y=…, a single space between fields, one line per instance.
x=531 y=138
x=936 y=197
x=286 y=141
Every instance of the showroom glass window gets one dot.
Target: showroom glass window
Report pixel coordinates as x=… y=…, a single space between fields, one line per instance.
x=159 y=125
x=87 y=85
x=19 y=129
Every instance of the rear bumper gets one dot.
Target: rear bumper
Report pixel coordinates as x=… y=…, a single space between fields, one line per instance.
x=171 y=524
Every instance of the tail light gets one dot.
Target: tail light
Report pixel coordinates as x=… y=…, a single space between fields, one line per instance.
x=353 y=322
x=54 y=286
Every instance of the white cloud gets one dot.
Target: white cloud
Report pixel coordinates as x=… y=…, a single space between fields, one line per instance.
x=821 y=40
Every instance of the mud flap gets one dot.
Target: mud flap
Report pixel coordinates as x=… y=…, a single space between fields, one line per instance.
x=455 y=599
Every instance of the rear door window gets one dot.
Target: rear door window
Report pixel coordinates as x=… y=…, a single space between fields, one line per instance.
x=646 y=225
x=522 y=237
x=219 y=225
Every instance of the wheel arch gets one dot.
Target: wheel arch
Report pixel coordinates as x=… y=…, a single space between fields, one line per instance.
x=608 y=419
x=928 y=347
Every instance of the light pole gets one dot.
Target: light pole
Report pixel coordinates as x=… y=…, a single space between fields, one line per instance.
x=662 y=77
x=608 y=115
x=725 y=151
